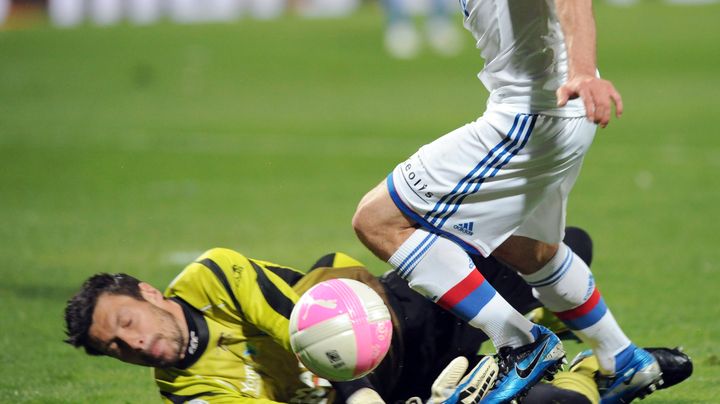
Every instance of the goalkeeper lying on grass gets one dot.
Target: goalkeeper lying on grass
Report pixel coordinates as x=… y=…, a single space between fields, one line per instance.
x=219 y=333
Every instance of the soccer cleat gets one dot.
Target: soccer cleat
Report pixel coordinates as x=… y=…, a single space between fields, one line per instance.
x=675 y=365
x=638 y=378
x=523 y=367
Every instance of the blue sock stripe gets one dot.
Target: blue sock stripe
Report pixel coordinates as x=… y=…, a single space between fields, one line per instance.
x=470 y=306
x=422 y=222
x=555 y=276
x=420 y=251
x=411 y=266
x=410 y=256
x=511 y=152
x=588 y=319
x=469 y=175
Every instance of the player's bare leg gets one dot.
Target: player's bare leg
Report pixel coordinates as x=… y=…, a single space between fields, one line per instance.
x=437 y=268
x=564 y=284
x=442 y=271
x=524 y=254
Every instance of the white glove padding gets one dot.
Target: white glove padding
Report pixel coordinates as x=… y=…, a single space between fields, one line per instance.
x=365 y=396
x=471 y=389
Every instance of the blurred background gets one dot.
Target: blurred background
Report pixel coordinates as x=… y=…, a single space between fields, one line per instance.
x=135 y=134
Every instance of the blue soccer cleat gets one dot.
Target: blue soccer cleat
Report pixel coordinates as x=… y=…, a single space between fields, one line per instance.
x=523 y=367
x=636 y=379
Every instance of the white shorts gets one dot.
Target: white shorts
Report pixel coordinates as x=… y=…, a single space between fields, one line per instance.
x=504 y=174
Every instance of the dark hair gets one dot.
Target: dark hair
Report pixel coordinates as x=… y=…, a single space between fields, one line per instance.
x=80 y=308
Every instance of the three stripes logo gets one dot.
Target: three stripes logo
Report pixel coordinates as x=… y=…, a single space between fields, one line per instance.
x=494 y=161
x=466 y=228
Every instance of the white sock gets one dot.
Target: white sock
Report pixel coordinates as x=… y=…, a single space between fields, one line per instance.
x=442 y=271
x=566 y=287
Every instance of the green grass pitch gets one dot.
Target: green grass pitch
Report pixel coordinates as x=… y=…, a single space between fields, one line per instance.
x=131 y=149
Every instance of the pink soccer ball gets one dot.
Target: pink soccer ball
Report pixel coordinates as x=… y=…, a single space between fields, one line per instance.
x=340 y=329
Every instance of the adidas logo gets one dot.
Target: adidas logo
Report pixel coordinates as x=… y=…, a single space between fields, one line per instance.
x=466 y=228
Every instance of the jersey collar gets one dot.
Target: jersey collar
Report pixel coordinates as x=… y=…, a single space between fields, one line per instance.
x=198 y=334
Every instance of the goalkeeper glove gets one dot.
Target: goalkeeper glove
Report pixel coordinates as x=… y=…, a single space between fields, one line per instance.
x=365 y=396
x=470 y=389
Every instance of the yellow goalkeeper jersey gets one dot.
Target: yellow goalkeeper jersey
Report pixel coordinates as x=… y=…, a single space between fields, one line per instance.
x=237 y=310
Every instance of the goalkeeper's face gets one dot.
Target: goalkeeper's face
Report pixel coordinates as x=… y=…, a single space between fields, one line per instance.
x=142 y=332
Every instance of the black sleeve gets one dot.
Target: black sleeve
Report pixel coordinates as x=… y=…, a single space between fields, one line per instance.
x=507 y=282
x=343 y=390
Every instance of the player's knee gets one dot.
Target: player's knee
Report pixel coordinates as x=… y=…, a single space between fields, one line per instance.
x=363 y=222
x=374 y=224
x=524 y=254
x=378 y=223
x=367 y=217
x=544 y=252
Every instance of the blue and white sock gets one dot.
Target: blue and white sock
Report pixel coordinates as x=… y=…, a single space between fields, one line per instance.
x=442 y=271
x=566 y=287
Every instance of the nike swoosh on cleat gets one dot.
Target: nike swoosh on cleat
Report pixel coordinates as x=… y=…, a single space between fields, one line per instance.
x=523 y=373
